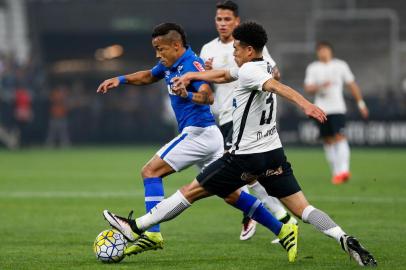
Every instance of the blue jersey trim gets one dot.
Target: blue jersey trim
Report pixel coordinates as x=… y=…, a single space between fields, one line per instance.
x=173 y=145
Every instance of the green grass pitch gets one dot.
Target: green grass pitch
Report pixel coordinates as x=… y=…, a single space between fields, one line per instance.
x=51 y=204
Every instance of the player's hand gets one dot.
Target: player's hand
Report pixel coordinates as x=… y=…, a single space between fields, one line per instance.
x=208 y=65
x=185 y=79
x=178 y=87
x=107 y=85
x=325 y=85
x=315 y=112
x=364 y=112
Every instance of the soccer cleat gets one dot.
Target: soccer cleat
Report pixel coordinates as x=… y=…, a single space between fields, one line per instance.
x=126 y=226
x=248 y=228
x=147 y=241
x=287 y=219
x=341 y=178
x=288 y=239
x=356 y=251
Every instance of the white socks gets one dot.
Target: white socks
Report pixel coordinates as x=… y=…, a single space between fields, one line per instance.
x=338 y=156
x=166 y=210
x=343 y=155
x=331 y=156
x=272 y=203
x=322 y=222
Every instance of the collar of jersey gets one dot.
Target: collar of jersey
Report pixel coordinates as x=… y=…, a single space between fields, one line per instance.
x=185 y=55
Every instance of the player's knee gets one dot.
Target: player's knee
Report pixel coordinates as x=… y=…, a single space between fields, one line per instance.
x=147 y=171
x=230 y=200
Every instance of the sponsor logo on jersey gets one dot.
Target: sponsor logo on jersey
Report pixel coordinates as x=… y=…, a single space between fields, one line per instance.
x=198 y=66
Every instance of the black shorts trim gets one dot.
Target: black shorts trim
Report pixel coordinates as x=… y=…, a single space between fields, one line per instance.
x=334 y=125
x=231 y=172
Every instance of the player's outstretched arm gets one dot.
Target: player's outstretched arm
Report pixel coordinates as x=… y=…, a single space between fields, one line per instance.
x=214 y=76
x=203 y=96
x=356 y=93
x=285 y=91
x=137 y=78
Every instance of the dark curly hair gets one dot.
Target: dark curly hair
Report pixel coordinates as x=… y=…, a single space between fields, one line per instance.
x=251 y=34
x=165 y=29
x=230 y=5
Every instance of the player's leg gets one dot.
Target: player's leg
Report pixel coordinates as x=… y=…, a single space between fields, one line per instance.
x=298 y=204
x=272 y=203
x=224 y=179
x=343 y=155
x=152 y=174
x=248 y=224
x=284 y=186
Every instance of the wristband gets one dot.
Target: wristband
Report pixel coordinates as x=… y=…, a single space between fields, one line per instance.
x=361 y=104
x=189 y=96
x=122 y=79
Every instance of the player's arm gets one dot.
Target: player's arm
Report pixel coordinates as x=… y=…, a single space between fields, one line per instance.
x=138 y=78
x=293 y=96
x=356 y=93
x=276 y=74
x=214 y=76
x=203 y=96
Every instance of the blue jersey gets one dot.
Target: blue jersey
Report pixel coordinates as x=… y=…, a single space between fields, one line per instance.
x=187 y=112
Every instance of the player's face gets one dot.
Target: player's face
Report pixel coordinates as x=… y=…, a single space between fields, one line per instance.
x=226 y=21
x=166 y=51
x=242 y=53
x=324 y=54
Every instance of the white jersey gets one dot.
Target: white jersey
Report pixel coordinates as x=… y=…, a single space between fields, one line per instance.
x=222 y=54
x=254 y=115
x=337 y=72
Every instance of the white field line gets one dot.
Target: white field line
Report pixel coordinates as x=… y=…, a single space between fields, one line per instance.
x=137 y=194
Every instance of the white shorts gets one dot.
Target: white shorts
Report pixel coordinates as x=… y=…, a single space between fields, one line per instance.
x=194 y=146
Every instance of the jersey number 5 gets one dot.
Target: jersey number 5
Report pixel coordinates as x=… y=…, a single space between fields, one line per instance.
x=268 y=120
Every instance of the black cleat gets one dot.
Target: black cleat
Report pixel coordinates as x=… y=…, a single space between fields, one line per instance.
x=356 y=251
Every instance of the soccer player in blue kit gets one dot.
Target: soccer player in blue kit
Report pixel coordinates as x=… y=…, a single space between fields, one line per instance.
x=200 y=142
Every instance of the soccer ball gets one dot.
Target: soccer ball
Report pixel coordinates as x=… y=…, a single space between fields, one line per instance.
x=109 y=246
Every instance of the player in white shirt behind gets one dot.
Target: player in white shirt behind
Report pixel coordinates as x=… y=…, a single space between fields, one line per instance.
x=325 y=79
x=218 y=54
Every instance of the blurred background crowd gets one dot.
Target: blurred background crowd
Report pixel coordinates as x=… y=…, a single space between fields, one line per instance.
x=54 y=54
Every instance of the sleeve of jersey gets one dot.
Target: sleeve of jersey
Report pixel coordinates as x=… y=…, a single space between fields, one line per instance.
x=309 y=77
x=234 y=72
x=197 y=65
x=348 y=75
x=268 y=57
x=203 y=53
x=158 y=71
x=252 y=77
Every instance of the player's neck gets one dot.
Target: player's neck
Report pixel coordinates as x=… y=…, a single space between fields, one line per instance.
x=226 y=40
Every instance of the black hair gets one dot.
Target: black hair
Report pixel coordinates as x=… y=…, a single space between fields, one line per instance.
x=324 y=43
x=251 y=34
x=230 y=5
x=165 y=28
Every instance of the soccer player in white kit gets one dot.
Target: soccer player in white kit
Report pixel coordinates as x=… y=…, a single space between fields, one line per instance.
x=218 y=54
x=325 y=79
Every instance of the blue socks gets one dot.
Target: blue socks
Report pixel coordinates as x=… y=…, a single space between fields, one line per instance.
x=253 y=208
x=154 y=194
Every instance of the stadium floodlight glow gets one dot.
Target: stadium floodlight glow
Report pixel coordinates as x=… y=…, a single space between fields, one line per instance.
x=109 y=52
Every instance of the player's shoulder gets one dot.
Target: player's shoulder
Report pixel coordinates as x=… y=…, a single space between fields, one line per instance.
x=193 y=63
x=211 y=44
x=314 y=64
x=251 y=68
x=339 y=62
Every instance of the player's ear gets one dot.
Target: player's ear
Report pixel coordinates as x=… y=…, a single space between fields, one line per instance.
x=237 y=21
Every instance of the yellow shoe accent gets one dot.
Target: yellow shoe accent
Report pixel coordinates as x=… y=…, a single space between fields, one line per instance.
x=288 y=239
x=147 y=241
